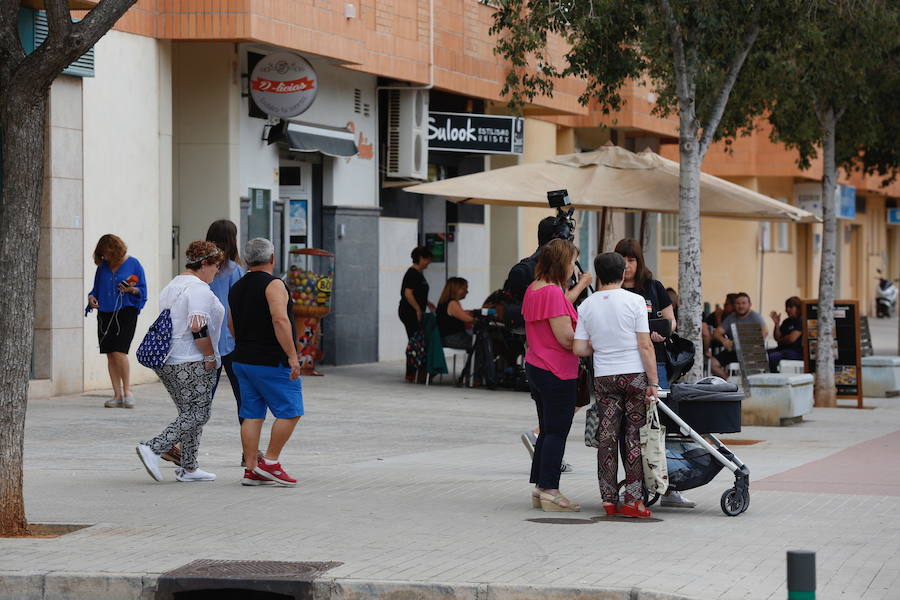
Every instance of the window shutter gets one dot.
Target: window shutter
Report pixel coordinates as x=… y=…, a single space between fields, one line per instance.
x=83 y=66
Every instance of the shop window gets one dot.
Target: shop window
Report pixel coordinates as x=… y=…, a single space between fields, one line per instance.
x=783 y=237
x=668 y=231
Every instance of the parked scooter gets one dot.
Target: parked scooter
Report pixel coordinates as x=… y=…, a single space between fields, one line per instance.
x=885 y=297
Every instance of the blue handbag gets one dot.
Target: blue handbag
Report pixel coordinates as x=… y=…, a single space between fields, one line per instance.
x=157 y=343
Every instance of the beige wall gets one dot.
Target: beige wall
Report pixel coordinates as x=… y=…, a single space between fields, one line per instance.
x=206 y=143
x=59 y=297
x=127 y=137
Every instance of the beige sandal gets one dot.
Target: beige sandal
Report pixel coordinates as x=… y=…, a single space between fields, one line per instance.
x=551 y=503
x=535 y=499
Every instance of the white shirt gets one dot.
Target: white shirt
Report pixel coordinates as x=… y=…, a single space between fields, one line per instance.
x=188 y=299
x=610 y=320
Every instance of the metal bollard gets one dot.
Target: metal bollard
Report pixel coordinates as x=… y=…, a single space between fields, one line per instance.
x=801 y=575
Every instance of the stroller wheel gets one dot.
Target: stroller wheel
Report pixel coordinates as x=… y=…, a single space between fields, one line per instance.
x=733 y=502
x=746 y=501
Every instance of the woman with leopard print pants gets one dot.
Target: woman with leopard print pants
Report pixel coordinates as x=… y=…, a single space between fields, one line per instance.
x=191 y=367
x=613 y=327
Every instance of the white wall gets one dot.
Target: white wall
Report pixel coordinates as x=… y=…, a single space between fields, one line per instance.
x=396 y=238
x=468 y=258
x=125 y=136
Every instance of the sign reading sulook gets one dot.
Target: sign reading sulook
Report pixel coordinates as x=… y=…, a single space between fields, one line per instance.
x=487 y=134
x=283 y=84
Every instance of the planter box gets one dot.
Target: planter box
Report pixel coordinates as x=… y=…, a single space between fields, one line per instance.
x=778 y=399
x=881 y=376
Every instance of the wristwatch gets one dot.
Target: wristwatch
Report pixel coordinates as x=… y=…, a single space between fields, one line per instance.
x=209 y=358
x=656 y=385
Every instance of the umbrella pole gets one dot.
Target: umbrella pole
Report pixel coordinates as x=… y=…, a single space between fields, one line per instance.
x=601 y=234
x=643 y=228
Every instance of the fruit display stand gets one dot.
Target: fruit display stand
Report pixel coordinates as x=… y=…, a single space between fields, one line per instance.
x=310 y=279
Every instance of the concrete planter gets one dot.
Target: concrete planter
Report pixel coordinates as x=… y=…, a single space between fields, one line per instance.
x=777 y=399
x=881 y=376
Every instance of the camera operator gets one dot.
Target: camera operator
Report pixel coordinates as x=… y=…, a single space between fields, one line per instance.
x=522 y=273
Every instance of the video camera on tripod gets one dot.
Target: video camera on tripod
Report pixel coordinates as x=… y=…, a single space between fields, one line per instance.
x=564 y=228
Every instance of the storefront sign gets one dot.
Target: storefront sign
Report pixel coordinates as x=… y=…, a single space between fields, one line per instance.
x=845 y=341
x=283 y=84
x=487 y=134
x=893 y=216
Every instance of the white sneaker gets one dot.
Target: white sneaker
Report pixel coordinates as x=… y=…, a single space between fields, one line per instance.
x=128 y=402
x=197 y=475
x=674 y=499
x=150 y=460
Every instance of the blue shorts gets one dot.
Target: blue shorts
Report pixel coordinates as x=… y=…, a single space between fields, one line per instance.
x=268 y=387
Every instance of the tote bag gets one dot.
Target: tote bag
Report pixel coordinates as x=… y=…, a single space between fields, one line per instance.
x=653 y=453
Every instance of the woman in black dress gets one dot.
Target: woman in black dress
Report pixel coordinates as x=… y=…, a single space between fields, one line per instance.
x=414 y=299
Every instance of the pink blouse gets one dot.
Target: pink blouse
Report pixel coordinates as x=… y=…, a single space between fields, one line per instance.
x=544 y=351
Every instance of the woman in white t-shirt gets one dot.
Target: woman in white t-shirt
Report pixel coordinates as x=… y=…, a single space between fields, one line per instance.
x=613 y=326
x=191 y=367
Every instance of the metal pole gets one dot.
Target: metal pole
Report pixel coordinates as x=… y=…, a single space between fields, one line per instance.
x=643 y=229
x=801 y=575
x=601 y=235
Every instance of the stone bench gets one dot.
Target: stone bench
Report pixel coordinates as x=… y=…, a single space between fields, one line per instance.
x=777 y=399
x=881 y=376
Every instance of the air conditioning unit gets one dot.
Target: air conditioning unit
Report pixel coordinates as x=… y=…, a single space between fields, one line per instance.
x=407 y=135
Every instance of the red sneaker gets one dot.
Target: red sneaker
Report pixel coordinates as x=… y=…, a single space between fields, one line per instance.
x=274 y=472
x=251 y=478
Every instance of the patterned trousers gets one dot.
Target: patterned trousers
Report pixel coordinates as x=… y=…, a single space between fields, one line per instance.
x=190 y=386
x=618 y=397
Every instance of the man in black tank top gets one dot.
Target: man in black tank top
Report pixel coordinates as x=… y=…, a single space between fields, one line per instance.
x=265 y=362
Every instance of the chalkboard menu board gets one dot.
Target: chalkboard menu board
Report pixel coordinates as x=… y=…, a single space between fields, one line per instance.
x=847 y=368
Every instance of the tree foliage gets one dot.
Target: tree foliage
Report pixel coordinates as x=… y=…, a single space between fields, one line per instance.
x=606 y=43
x=845 y=55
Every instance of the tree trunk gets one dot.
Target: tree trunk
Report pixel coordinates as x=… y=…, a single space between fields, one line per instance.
x=22 y=130
x=690 y=289
x=825 y=392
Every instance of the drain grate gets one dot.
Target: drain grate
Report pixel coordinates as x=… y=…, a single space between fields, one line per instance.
x=292 y=579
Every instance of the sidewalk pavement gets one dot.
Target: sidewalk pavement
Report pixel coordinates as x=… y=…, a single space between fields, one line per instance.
x=429 y=485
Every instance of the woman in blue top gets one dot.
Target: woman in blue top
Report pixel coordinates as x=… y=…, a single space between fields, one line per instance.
x=119 y=294
x=224 y=234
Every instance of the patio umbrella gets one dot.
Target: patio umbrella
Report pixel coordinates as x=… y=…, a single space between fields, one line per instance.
x=611 y=177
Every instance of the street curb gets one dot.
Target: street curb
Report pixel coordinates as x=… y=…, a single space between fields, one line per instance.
x=56 y=585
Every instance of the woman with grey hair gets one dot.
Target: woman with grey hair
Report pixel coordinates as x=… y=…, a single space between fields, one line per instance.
x=190 y=368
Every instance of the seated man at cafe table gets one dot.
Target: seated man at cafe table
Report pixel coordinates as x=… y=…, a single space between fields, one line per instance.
x=788 y=334
x=743 y=313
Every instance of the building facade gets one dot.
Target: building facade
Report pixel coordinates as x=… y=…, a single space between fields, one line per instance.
x=163 y=137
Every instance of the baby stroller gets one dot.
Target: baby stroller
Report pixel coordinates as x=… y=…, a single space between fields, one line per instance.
x=692 y=415
x=694 y=455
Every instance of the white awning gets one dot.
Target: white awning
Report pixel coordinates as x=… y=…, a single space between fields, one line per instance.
x=330 y=141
